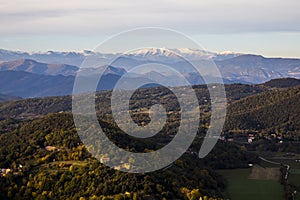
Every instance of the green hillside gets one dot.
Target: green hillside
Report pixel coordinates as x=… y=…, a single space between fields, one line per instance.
x=271 y=111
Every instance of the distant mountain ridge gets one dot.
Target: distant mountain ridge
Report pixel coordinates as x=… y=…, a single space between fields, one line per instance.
x=25 y=84
x=4 y=97
x=33 y=66
x=52 y=57
x=234 y=67
x=76 y=58
x=173 y=55
x=283 y=83
x=28 y=85
x=258 y=69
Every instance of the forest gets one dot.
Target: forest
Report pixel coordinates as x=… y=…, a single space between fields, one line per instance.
x=46 y=159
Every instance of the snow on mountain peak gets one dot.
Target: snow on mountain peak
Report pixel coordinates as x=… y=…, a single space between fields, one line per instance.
x=225 y=52
x=175 y=53
x=152 y=52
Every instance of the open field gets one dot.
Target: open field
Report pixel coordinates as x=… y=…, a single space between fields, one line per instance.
x=292 y=161
x=294 y=179
x=241 y=187
x=70 y=162
x=60 y=165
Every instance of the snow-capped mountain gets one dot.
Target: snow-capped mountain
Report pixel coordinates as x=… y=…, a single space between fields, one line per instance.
x=153 y=54
x=51 y=57
x=146 y=52
x=174 y=55
x=195 y=54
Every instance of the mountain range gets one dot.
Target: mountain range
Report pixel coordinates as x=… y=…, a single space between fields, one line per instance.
x=76 y=58
x=52 y=73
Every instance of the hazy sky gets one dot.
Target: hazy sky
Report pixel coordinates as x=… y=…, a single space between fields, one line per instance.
x=268 y=27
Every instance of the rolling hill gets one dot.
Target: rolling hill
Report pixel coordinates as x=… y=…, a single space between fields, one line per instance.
x=24 y=84
x=35 y=67
x=276 y=110
x=28 y=85
x=8 y=98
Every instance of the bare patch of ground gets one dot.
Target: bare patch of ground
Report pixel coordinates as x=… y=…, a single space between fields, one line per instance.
x=267 y=173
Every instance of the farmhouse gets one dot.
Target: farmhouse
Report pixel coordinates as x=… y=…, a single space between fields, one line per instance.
x=52 y=148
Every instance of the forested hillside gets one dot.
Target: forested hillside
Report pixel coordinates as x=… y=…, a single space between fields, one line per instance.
x=276 y=110
x=70 y=172
x=44 y=158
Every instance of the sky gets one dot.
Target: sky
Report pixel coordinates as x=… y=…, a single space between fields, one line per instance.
x=267 y=27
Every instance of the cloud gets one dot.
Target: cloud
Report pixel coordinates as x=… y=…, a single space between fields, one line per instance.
x=100 y=17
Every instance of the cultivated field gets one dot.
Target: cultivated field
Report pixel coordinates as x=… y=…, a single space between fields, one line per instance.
x=252 y=184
